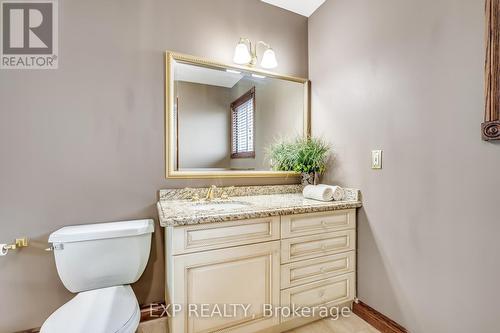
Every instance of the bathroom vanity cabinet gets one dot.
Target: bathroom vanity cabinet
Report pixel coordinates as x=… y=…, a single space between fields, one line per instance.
x=300 y=259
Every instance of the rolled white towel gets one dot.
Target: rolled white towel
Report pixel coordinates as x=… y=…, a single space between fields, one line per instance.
x=338 y=192
x=318 y=192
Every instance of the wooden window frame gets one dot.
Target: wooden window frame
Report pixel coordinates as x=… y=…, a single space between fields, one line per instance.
x=250 y=94
x=490 y=128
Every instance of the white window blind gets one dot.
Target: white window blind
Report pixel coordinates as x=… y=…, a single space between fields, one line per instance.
x=242 y=116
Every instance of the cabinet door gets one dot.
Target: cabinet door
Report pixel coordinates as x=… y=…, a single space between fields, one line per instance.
x=247 y=275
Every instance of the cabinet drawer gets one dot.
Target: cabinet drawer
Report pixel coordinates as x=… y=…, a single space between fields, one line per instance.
x=327 y=292
x=317 y=223
x=314 y=246
x=306 y=271
x=201 y=237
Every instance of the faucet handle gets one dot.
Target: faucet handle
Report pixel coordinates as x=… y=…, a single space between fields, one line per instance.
x=211 y=193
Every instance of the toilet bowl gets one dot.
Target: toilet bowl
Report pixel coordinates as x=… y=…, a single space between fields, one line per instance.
x=99 y=261
x=106 y=310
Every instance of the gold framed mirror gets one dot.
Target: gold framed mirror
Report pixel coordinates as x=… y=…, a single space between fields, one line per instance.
x=220 y=118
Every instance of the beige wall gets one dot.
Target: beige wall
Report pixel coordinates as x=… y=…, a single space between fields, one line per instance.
x=84 y=143
x=407 y=77
x=204 y=130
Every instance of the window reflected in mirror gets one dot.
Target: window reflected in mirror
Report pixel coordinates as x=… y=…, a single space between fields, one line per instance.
x=242 y=125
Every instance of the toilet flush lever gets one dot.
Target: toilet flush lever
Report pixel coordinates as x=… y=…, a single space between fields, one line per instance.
x=55 y=247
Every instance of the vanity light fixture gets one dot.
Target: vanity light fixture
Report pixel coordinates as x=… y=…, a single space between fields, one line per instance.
x=233 y=71
x=244 y=54
x=258 y=76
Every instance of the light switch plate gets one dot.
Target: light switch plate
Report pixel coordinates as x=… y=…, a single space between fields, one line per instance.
x=376 y=159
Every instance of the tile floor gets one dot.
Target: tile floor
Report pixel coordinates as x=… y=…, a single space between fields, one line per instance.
x=351 y=324
x=153 y=326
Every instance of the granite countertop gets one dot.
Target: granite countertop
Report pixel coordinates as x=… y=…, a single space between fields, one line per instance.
x=174 y=207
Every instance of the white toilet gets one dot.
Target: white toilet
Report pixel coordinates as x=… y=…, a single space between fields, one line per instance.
x=99 y=261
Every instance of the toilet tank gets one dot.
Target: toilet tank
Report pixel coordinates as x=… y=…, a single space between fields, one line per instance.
x=94 y=256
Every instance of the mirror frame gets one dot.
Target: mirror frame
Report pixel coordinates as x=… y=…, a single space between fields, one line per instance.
x=170 y=59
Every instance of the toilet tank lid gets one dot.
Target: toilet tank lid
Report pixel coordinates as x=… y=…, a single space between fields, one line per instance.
x=85 y=232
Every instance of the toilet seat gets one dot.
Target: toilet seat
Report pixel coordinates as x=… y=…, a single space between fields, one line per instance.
x=106 y=310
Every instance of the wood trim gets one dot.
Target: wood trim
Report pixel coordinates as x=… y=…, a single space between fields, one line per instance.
x=33 y=330
x=376 y=319
x=152 y=311
x=490 y=128
x=247 y=154
x=243 y=98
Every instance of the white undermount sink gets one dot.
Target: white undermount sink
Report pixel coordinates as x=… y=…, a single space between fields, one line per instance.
x=220 y=205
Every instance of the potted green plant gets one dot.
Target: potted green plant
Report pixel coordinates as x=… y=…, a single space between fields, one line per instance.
x=309 y=156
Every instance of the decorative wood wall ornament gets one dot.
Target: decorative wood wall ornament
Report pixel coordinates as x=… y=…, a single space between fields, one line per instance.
x=491 y=127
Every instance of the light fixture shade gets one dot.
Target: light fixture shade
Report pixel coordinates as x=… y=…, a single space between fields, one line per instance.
x=241 y=54
x=269 y=59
